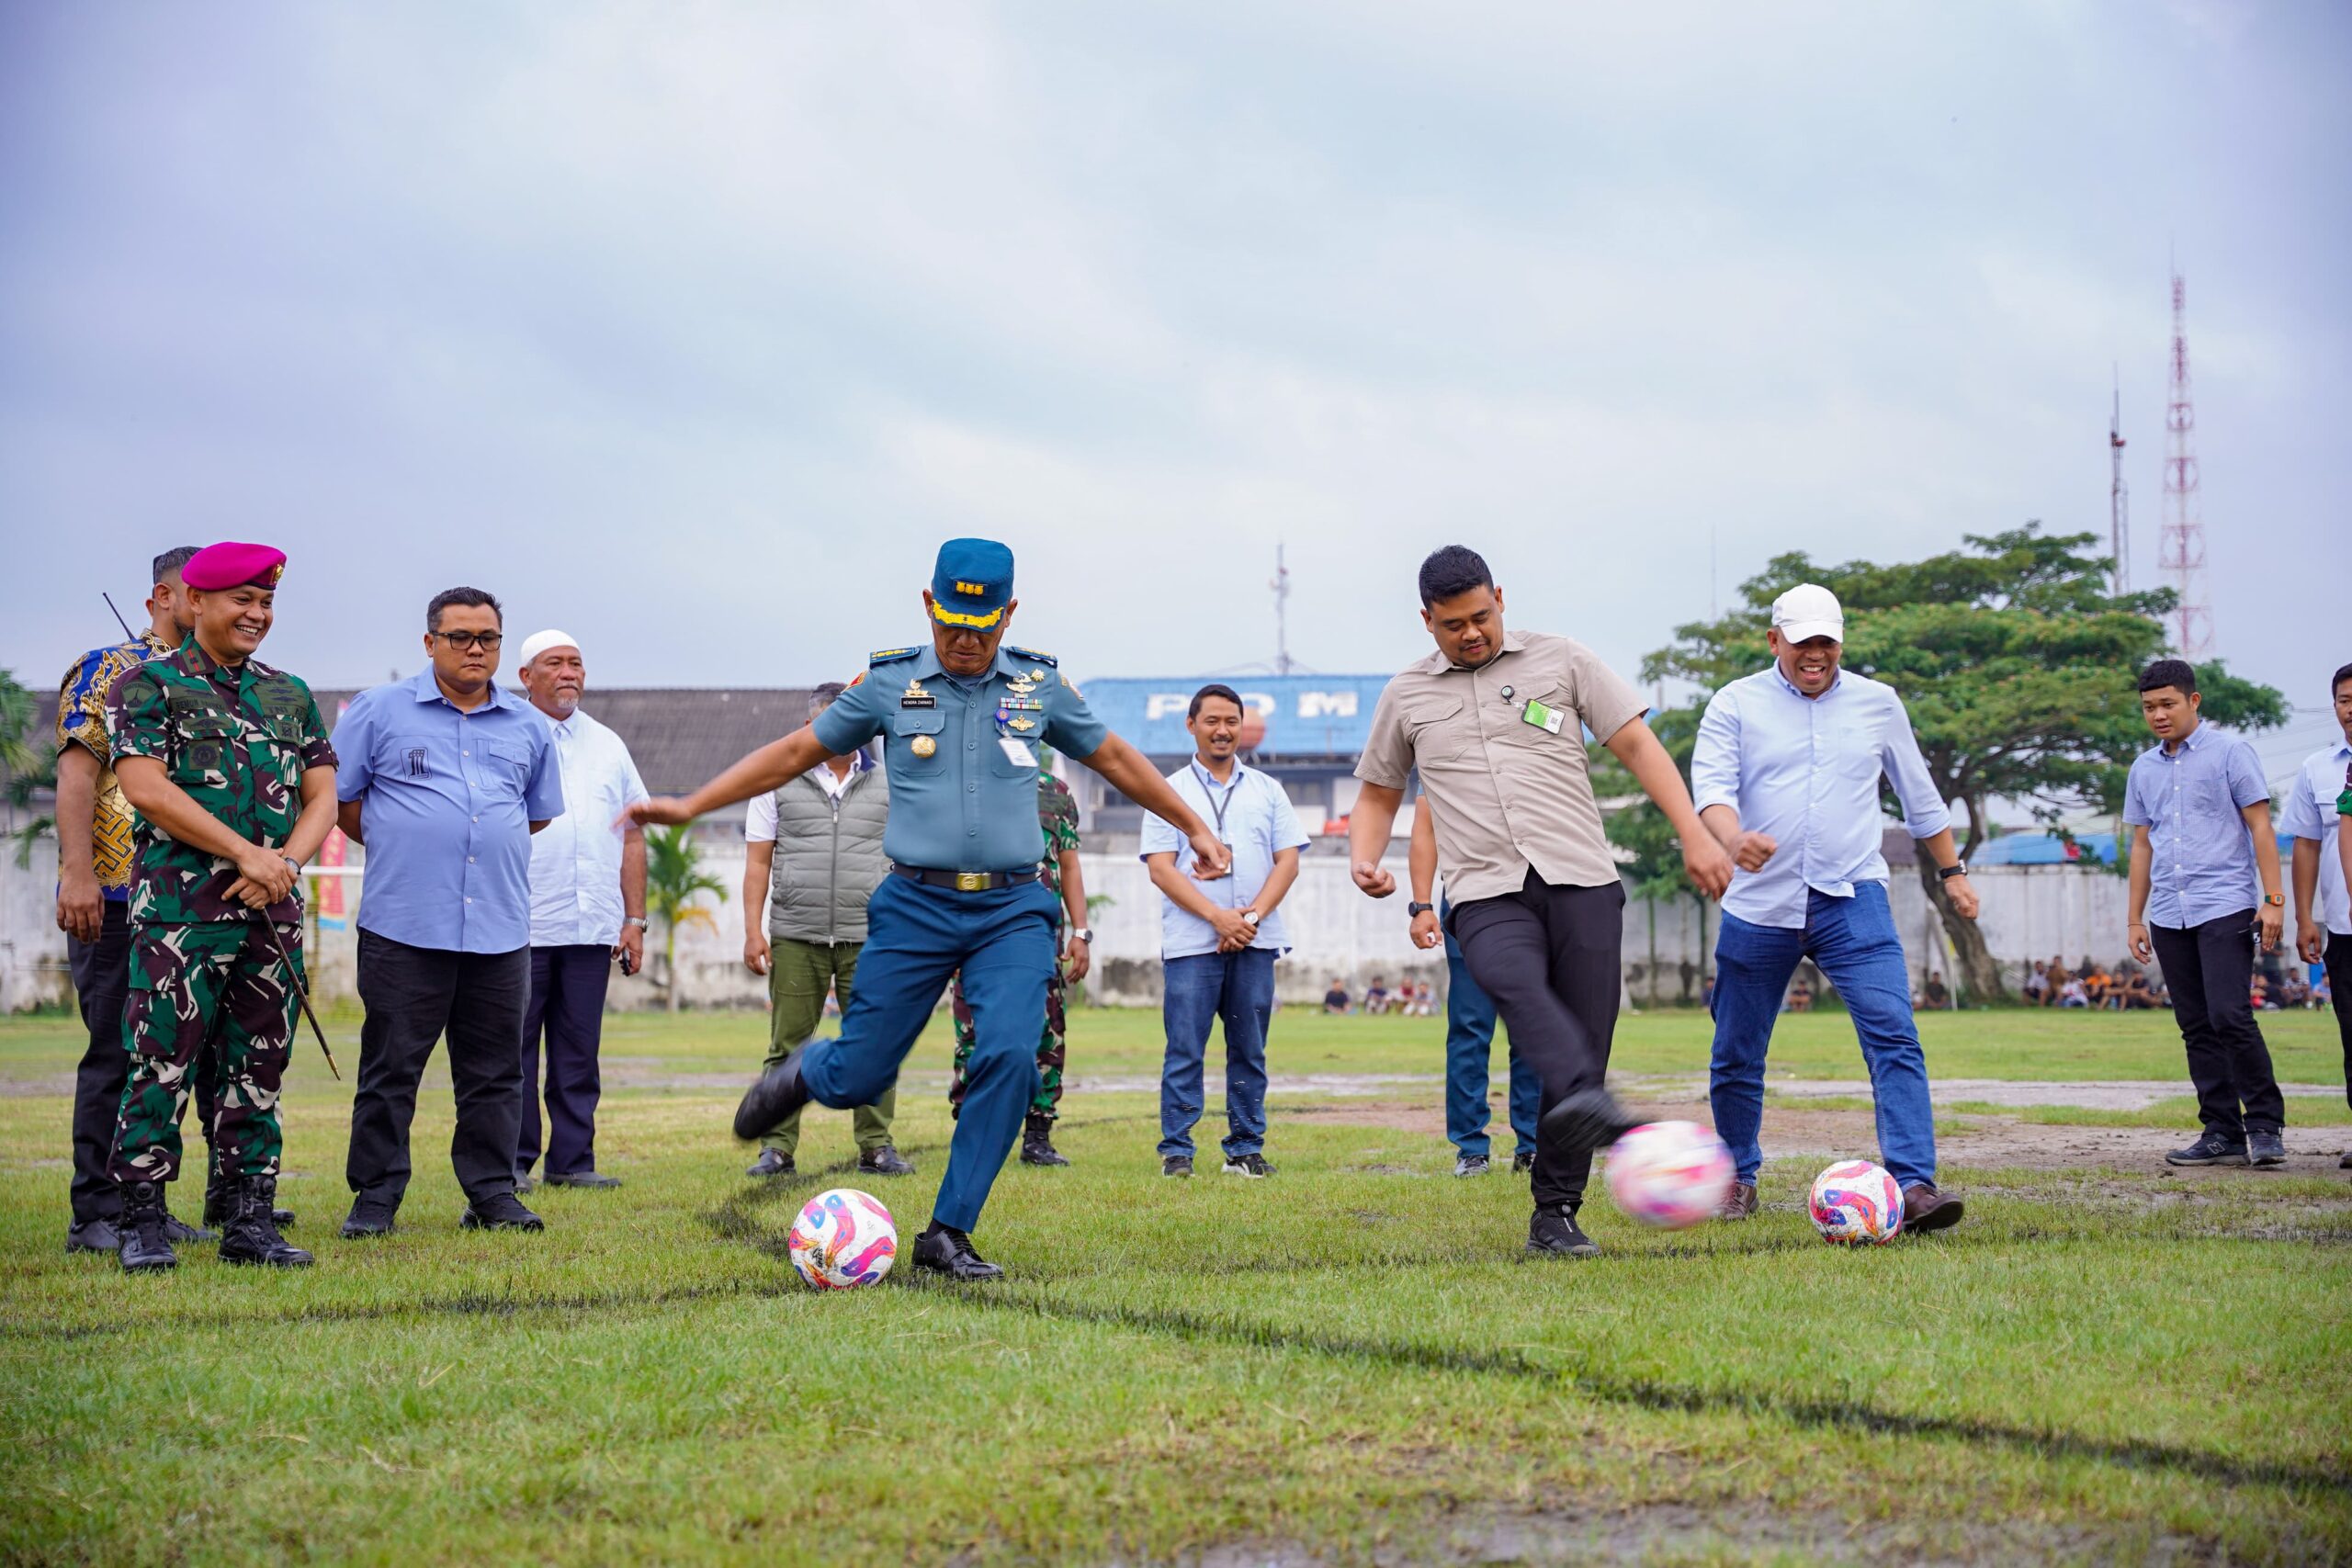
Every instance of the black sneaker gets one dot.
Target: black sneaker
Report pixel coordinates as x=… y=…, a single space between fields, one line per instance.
x=1522 y=1162
x=884 y=1161
x=367 y=1217
x=500 y=1211
x=942 y=1249
x=1254 y=1167
x=1554 y=1232
x=771 y=1163
x=2210 y=1149
x=92 y=1235
x=1471 y=1165
x=777 y=1095
x=2264 y=1149
x=1176 y=1165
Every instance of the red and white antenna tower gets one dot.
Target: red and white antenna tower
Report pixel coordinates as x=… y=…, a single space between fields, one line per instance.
x=2182 y=550
x=2119 y=497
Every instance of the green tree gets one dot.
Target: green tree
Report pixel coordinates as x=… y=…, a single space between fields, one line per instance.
x=2016 y=659
x=674 y=880
x=27 y=768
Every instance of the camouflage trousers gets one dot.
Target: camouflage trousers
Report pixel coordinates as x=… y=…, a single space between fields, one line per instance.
x=217 y=983
x=1052 y=1048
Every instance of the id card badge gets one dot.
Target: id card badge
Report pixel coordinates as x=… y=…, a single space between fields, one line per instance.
x=1543 y=717
x=1018 y=750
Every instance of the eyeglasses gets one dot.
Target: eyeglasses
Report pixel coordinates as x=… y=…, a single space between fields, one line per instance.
x=487 y=642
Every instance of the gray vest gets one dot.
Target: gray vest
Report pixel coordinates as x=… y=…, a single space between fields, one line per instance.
x=828 y=857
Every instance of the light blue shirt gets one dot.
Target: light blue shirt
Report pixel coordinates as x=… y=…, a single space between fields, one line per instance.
x=2200 y=852
x=447 y=802
x=2309 y=812
x=1805 y=770
x=1251 y=816
x=962 y=755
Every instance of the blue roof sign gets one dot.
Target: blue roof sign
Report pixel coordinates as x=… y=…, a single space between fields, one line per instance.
x=1305 y=715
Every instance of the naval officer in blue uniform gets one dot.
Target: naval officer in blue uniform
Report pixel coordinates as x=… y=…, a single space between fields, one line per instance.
x=960 y=719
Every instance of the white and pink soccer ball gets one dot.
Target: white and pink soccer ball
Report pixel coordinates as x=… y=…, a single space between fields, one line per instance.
x=842 y=1240
x=1671 y=1175
x=1856 y=1204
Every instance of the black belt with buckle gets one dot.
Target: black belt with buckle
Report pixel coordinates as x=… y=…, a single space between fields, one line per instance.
x=965 y=880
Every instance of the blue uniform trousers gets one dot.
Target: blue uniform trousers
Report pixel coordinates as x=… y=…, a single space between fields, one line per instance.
x=1469 y=1047
x=916 y=937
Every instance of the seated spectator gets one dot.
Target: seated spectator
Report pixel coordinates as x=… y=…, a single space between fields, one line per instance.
x=2095 y=983
x=2037 y=983
x=1375 y=996
x=2072 y=994
x=1336 y=998
x=1800 y=998
x=2323 y=988
x=1423 y=1001
x=1936 y=994
x=2059 y=981
x=2135 y=991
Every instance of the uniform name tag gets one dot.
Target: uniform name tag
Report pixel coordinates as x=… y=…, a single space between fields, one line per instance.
x=1018 y=750
x=924 y=701
x=1545 y=718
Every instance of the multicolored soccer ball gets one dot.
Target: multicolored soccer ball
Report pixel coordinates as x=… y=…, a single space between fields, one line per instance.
x=1672 y=1175
x=1856 y=1204
x=843 y=1239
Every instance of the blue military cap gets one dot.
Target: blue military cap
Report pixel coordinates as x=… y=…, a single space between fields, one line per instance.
x=972 y=583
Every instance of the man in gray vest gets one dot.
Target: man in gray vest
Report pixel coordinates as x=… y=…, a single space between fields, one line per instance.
x=813 y=856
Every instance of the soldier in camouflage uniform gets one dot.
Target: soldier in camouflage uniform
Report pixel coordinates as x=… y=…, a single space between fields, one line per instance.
x=227 y=762
x=1058 y=815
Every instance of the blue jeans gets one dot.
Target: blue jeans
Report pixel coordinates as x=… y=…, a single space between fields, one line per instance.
x=1854 y=942
x=1239 y=988
x=1469 y=1047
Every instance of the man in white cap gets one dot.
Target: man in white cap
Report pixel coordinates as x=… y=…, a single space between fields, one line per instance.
x=587 y=909
x=1785 y=775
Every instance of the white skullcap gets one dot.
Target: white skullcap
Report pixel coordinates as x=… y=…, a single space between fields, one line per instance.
x=540 y=642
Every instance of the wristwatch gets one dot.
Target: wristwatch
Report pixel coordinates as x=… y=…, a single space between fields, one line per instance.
x=2276 y=900
x=1082 y=933
x=1946 y=873
x=1415 y=909
x=639 y=922
x=1253 y=917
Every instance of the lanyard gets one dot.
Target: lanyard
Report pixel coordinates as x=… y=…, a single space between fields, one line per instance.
x=1208 y=791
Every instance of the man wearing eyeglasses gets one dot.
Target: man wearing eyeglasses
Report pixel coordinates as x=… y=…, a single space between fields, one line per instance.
x=445 y=779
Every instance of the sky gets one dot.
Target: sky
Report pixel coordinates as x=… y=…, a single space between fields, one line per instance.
x=694 y=328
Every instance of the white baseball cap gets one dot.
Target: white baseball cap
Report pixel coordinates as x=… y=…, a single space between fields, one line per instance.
x=1807 y=611
x=540 y=642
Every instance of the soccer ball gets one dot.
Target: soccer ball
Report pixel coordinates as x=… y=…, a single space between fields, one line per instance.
x=1669 y=1174
x=843 y=1239
x=1857 y=1204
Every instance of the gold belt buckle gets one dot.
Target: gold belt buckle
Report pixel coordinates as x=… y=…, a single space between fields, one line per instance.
x=971 y=882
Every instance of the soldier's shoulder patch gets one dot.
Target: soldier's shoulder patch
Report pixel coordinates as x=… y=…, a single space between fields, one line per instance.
x=859 y=679
x=1033 y=656
x=889 y=655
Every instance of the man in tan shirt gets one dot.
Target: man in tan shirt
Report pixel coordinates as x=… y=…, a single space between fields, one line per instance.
x=1495 y=722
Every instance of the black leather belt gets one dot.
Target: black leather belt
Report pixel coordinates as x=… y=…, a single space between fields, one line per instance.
x=965 y=880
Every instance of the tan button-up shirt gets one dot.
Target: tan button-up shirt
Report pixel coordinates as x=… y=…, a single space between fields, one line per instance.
x=1508 y=794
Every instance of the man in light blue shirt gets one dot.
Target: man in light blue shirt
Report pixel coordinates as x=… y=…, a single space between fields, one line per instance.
x=2203 y=809
x=2322 y=911
x=1219 y=935
x=444 y=779
x=1785 y=774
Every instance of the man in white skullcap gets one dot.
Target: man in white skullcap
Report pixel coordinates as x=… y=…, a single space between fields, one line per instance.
x=587 y=909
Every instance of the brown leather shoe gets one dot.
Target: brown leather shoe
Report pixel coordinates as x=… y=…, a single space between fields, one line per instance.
x=1925 y=1208
x=1740 y=1203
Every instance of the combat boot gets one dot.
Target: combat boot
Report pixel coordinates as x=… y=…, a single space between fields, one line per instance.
x=220 y=1207
x=146 y=1245
x=252 y=1235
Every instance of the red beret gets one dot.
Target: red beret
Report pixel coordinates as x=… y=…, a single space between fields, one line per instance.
x=231 y=565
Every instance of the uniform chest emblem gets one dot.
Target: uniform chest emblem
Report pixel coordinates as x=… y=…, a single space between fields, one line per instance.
x=416 y=766
x=922 y=746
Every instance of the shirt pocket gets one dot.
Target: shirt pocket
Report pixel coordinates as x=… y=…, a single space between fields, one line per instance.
x=504 y=767
x=200 y=753
x=907 y=728
x=1438 y=731
x=1518 y=732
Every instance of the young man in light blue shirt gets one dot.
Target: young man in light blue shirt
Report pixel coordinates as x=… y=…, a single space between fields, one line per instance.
x=1785 y=774
x=2203 y=809
x=1219 y=935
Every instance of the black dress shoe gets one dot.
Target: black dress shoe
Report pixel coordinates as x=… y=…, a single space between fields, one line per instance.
x=771 y=1163
x=144 y=1228
x=92 y=1235
x=500 y=1211
x=942 y=1250
x=251 y=1232
x=595 y=1179
x=777 y=1095
x=884 y=1161
x=1554 y=1232
x=367 y=1217
x=1585 y=1123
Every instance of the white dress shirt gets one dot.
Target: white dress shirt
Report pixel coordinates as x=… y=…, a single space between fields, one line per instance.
x=2310 y=813
x=759 y=812
x=576 y=858
x=1805 y=770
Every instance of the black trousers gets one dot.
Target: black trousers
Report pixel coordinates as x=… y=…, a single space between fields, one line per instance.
x=101 y=971
x=414 y=996
x=567 y=1008
x=1550 y=957
x=2338 y=959
x=2210 y=969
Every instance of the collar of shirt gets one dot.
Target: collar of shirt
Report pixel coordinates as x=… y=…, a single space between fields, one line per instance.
x=1437 y=663
x=428 y=690
x=2194 y=739
x=823 y=776
x=1793 y=690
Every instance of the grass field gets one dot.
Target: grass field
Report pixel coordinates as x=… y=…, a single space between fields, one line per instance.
x=1350 y=1363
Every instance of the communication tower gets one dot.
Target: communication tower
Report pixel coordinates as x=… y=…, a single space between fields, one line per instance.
x=2119 y=497
x=2181 y=551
